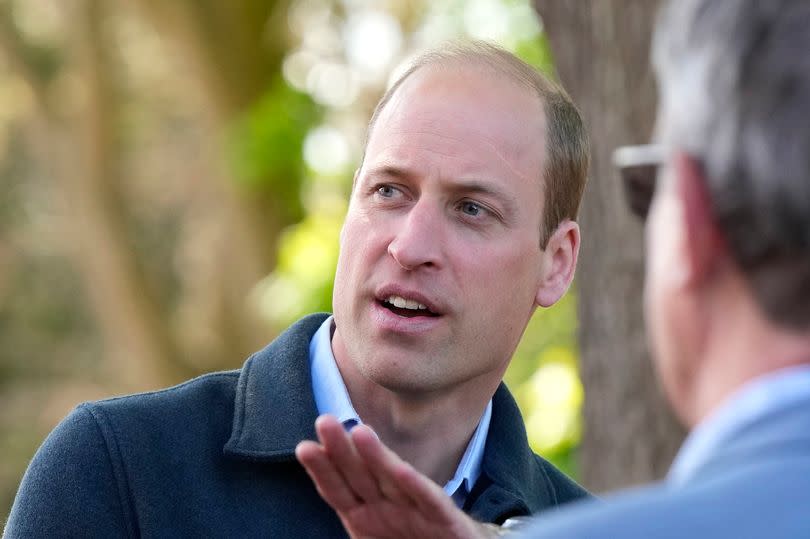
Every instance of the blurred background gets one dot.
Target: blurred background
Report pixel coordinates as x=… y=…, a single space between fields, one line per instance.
x=174 y=174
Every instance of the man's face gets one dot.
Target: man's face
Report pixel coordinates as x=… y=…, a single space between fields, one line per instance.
x=440 y=259
x=671 y=318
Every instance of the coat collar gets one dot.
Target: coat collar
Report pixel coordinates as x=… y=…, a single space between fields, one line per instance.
x=768 y=419
x=519 y=482
x=274 y=407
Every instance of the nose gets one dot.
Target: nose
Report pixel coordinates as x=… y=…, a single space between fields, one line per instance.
x=417 y=243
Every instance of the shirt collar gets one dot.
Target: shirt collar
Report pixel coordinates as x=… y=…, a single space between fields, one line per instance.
x=469 y=469
x=332 y=397
x=751 y=402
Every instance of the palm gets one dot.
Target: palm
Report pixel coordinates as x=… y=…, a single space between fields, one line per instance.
x=374 y=492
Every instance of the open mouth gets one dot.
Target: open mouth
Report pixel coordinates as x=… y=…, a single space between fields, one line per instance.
x=406 y=308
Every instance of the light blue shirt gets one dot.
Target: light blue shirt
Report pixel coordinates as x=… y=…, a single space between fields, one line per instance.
x=756 y=399
x=331 y=397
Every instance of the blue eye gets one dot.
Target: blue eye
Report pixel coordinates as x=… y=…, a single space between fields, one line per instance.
x=471 y=208
x=386 y=191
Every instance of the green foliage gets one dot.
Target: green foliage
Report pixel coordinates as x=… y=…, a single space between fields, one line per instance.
x=566 y=460
x=265 y=145
x=544 y=378
x=536 y=52
x=303 y=280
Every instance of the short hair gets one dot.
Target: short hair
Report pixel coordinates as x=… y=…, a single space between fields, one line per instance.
x=567 y=148
x=734 y=81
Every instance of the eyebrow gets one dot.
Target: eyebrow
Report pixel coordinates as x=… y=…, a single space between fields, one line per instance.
x=486 y=188
x=473 y=186
x=389 y=171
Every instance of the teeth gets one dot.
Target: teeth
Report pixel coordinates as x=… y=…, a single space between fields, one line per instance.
x=402 y=303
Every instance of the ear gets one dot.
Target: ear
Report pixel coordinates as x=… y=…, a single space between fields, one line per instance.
x=703 y=246
x=559 y=264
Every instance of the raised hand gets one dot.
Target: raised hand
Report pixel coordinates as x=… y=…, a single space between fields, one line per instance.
x=374 y=492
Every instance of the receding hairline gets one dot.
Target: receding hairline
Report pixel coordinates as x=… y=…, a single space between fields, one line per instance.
x=471 y=56
x=566 y=154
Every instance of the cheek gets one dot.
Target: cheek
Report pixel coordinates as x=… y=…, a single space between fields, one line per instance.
x=670 y=318
x=655 y=287
x=356 y=237
x=661 y=257
x=506 y=282
x=361 y=247
x=350 y=252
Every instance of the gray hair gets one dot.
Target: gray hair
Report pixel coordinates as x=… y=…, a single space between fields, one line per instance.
x=734 y=81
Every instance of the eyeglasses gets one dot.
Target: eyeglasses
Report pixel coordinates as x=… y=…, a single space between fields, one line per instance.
x=638 y=167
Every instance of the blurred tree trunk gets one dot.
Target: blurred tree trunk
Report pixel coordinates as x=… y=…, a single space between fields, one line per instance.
x=143 y=350
x=78 y=146
x=601 y=52
x=236 y=49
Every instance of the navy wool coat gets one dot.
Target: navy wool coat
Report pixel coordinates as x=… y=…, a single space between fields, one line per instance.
x=214 y=457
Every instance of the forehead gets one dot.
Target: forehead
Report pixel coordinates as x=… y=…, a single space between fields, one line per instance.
x=467 y=120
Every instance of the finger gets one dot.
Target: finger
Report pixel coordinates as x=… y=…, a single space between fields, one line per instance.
x=382 y=521
x=437 y=508
x=410 y=485
x=340 y=449
x=427 y=496
x=423 y=509
x=381 y=462
x=331 y=485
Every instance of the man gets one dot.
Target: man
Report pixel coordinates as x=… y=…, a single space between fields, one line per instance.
x=461 y=223
x=727 y=301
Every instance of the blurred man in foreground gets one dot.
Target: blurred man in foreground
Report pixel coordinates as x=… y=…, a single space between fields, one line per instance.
x=460 y=224
x=727 y=300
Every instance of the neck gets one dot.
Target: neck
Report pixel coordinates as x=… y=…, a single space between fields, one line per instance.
x=742 y=345
x=430 y=430
x=430 y=433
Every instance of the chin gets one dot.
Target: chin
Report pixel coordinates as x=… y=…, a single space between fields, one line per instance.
x=403 y=379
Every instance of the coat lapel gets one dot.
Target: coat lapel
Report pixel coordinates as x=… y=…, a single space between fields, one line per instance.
x=274 y=406
x=518 y=483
